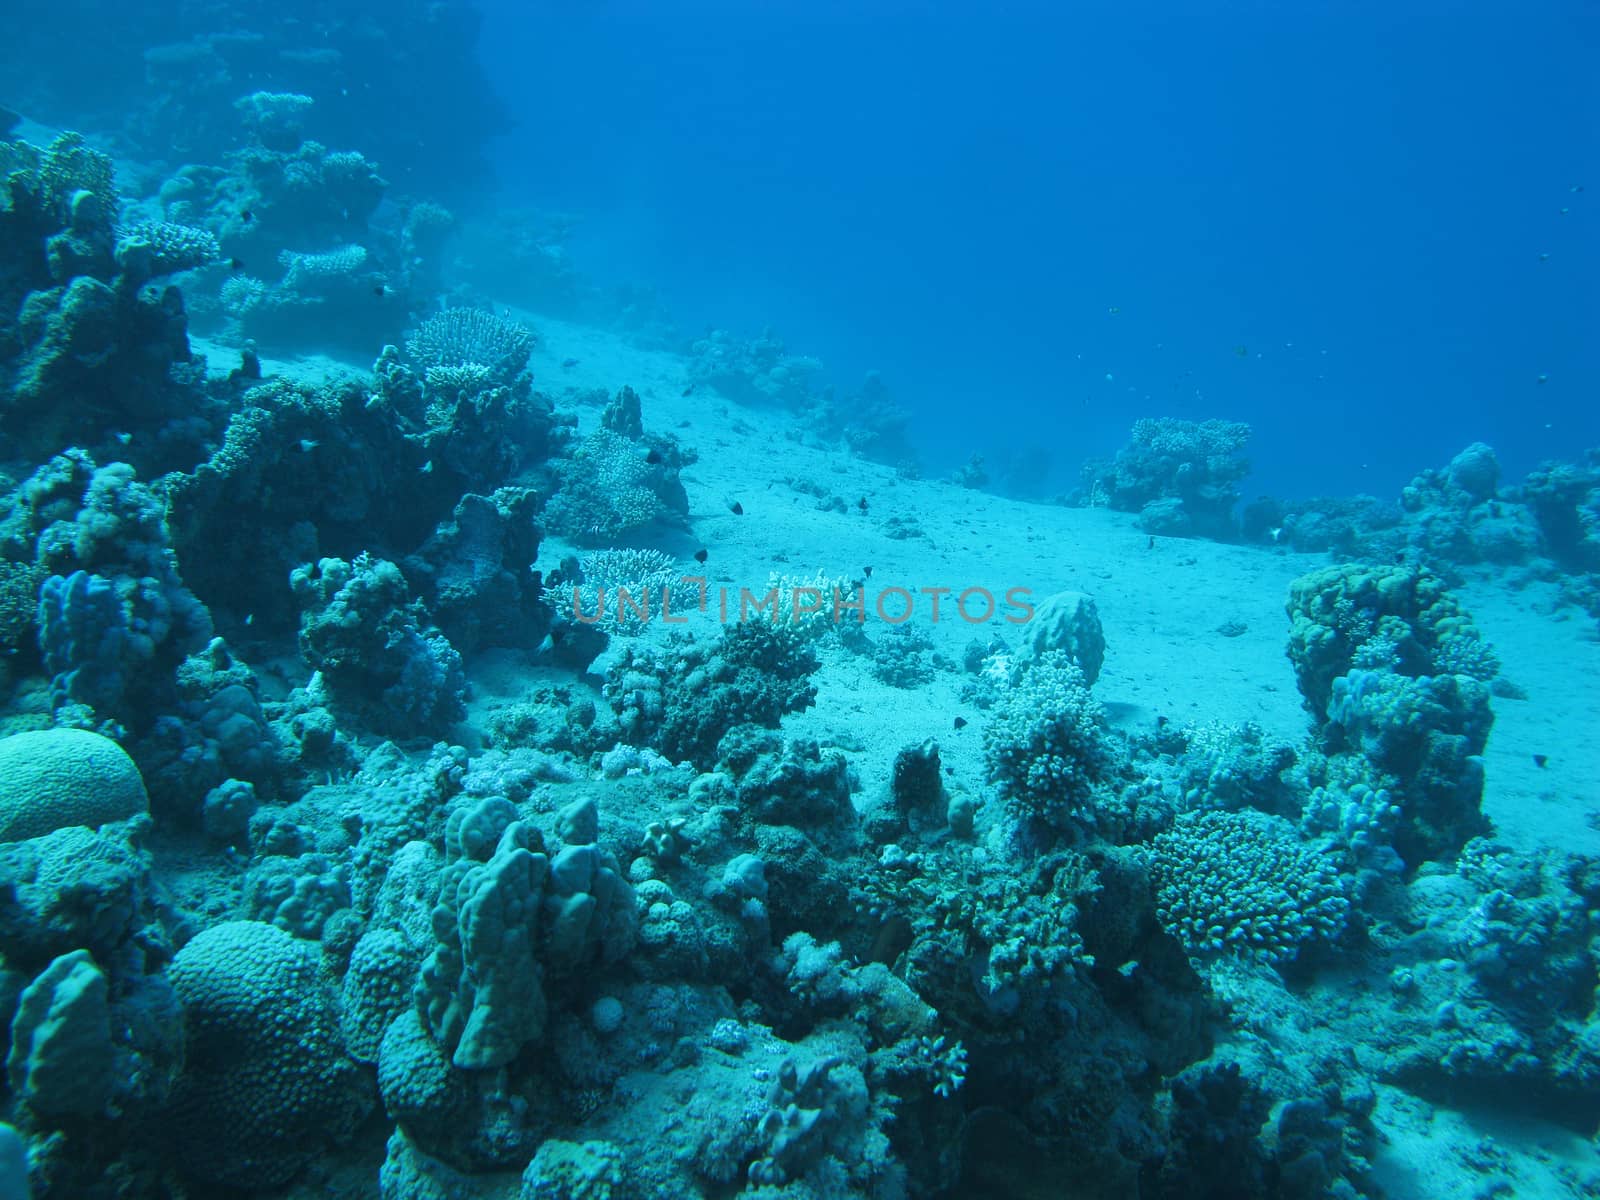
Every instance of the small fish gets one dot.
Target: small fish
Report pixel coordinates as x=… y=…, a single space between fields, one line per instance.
x=249 y=618
x=1541 y=760
x=893 y=940
x=379 y=289
x=1542 y=379
x=862 y=504
x=235 y=264
x=688 y=390
x=124 y=438
x=867 y=571
x=961 y=722
x=247 y=216
x=557 y=635
x=1242 y=351
x=307 y=445
x=426 y=467
x=568 y=363
x=736 y=508
x=701 y=555
x=653 y=457
x=1114 y=310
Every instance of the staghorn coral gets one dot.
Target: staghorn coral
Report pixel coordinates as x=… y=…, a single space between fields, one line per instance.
x=312 y=272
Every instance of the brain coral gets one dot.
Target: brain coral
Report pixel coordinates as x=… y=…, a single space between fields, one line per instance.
x=266 y=1083
x=54 y=778
x=1070 y=623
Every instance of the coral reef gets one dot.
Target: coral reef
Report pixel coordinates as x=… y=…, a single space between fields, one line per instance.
x=1181 y=477
x=619 y=480
x=683 y=701
x=367 y=823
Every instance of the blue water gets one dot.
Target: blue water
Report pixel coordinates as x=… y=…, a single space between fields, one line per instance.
x=1045 y=220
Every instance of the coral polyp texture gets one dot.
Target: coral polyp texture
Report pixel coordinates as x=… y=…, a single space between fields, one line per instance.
x=54 y=778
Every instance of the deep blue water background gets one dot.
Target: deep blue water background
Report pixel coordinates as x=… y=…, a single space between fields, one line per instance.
x=1354 y=195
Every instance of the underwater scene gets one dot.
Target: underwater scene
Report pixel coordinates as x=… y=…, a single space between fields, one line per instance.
x=776 y=601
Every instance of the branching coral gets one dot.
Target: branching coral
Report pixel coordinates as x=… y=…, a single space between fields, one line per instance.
x=1045 y=745
x=1243 y=883
x=458 y=337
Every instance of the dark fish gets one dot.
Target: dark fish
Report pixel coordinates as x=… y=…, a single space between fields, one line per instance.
x=862 y=504
x=235 y=264
x=247 y=216
x=653 y=457
x=892 y=940
x=1151 y=544
x=556 y=634
x=700 y=556
x=736 y=508
x=688 y=390
x=961 y=722
x=569 y=363
x=867 y=571
x=379 y=290
x=1541 y=760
